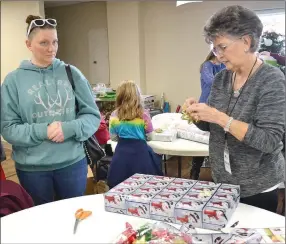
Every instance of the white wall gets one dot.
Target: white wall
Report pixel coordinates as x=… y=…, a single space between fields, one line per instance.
x=13 y=32
x=155 y=43
x=126 y=43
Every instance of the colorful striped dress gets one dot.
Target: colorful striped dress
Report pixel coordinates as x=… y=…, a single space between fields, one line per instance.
x=132 y=154
x=138 y=128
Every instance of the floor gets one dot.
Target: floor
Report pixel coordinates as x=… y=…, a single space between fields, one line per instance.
x=172 y=170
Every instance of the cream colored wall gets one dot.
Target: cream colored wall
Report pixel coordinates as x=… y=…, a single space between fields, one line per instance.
x=153 y=42
x=13 y=32
x=74 y=23
x=126 y=44
x=175 y=48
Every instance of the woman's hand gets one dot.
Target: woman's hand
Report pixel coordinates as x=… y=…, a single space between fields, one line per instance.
x=188 y=103
x=203 y=112
x=55 y=132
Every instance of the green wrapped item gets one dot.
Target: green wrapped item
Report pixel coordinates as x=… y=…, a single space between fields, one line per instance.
x=187 y=117
x=144 y=234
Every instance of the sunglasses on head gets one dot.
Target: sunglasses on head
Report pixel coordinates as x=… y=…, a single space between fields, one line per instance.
x=40 y=23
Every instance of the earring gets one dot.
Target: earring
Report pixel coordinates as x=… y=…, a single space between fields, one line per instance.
x=245 y=50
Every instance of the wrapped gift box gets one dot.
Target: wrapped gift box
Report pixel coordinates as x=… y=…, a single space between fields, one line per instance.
x=181 y=201
x=237 y=235
x=193 y=136
x=191 y=132
x=166 y=135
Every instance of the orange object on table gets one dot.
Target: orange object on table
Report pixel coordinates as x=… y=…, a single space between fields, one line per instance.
x=80 y=215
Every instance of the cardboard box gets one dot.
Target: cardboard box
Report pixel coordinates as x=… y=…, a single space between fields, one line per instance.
x=200 y=203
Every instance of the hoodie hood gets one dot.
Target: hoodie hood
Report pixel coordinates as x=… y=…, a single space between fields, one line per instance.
x=27 y=65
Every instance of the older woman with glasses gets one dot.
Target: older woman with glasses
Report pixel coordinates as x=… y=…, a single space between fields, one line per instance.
x=245 y=113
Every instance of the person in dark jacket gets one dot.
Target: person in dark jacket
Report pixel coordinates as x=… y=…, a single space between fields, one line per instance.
x=13 y=198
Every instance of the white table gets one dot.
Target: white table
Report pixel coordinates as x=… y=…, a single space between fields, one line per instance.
x=178 y=147
x=54 y=222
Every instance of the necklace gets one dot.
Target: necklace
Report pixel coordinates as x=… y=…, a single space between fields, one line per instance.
x=236 y=93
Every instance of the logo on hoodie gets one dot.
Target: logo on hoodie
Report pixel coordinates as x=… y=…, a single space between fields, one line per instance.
x=52 y=105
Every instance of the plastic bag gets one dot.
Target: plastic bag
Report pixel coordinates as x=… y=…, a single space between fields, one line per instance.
x=152 y=234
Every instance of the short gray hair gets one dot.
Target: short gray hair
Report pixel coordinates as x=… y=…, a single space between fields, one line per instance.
x=235 y=21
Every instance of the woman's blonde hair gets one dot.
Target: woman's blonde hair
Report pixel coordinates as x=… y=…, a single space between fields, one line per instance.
x=128 y=101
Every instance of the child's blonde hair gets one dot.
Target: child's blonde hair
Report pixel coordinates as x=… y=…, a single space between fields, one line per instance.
x=128 y=101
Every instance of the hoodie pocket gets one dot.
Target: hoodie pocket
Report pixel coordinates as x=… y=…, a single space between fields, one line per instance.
x=51 y=153
x=41 y=154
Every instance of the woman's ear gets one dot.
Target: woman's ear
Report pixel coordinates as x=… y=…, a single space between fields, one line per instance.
x=28 y=44
x=247 y=42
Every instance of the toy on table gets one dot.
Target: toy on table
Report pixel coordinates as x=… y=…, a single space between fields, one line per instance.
x=153 y=233
x=80 y=215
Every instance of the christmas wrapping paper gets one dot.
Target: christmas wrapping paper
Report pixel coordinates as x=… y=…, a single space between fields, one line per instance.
x=180 y=201
x=238 y=235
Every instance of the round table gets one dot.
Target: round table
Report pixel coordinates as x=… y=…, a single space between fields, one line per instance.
x=54 y=222
x=178 y=147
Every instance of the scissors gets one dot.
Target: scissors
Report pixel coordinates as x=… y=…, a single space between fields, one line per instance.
x=80 y=215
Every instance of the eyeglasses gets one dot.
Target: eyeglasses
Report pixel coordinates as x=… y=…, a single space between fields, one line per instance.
x=40 y=23
x=219 y=50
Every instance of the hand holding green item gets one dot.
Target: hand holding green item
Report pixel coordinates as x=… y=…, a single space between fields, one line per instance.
x=186 y=116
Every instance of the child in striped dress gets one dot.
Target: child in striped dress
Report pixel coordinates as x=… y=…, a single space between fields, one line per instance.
x=131 y=126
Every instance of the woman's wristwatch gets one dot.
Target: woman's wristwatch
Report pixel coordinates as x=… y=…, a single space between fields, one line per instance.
x=226 y=128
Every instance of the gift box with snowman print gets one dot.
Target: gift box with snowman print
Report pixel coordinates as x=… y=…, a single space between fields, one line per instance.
x=180 y=201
